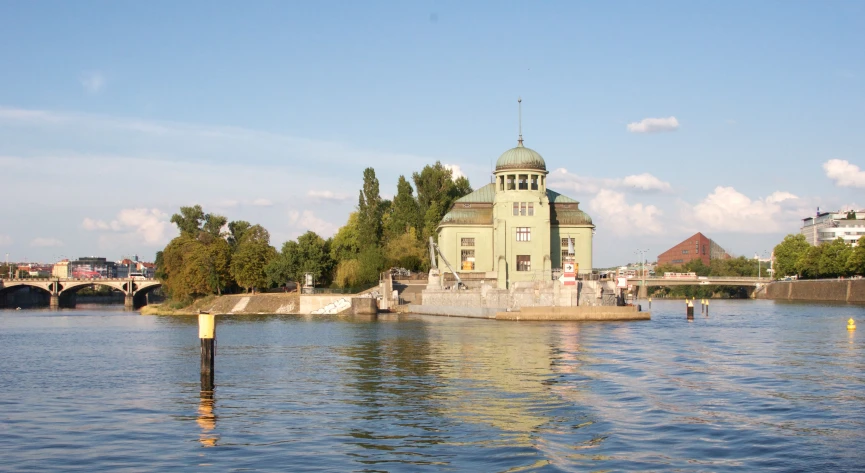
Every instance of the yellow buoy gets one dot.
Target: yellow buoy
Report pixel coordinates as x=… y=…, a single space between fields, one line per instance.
x=851 y=325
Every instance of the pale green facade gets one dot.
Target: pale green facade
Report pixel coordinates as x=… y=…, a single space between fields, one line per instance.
x=513 y=229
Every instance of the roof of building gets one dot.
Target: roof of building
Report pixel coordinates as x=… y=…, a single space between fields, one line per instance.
x=564 y=211
x=486 y=193
x=520 y=158
x=475 y=216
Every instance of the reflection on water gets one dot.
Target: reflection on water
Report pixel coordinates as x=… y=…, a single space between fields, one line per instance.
x=207 y=420
x=756 y=386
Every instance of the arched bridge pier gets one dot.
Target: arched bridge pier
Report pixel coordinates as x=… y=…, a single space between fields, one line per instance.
x=62 y=291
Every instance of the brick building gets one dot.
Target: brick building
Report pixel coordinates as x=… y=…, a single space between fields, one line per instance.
x=697 y=246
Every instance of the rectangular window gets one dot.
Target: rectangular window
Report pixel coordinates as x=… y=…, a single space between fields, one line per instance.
x=512 y=182
x=516 y=208
x=565 y=254
x=467 y=260
x=531 y=209
x=684 y=252
x=523 y=209
x=534 y=182
x=524 y=182
x=524 y=234
x=524 y=263
x=467 y=242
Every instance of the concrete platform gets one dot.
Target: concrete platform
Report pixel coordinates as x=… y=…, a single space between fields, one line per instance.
x=598 y=313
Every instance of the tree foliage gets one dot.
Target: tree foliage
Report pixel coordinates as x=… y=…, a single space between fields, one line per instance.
x=436 y=192
x=788 y=253
x=369 y=210
x=251 y=257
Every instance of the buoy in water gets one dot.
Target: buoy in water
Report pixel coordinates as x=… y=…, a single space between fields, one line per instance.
x=851 y=325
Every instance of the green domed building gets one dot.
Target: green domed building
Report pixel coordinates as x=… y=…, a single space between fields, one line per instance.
x=515 y=229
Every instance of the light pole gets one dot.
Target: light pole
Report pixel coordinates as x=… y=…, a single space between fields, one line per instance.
x=642 y=254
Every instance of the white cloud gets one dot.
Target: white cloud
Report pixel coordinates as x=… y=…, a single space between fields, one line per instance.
x=308 y=221
x=654 y=125
x=5 y=240
x=328 y=196
x=646 y=182
x=456 y=171
x=561 y=179
x=141 y=226
x=844 y=173
x=262 y=202
x=611 y=210
x=728 y=210
x=46 y=242
x=92 y=81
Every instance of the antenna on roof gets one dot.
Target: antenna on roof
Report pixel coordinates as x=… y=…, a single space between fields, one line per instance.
x=520 y=112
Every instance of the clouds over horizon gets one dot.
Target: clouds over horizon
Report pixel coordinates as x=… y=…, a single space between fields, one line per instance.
x=654 y=125
x=133 y=227
x=645 y=182
x=728 y=210
x=610 y=209
x=43 y=242
x=844 y=173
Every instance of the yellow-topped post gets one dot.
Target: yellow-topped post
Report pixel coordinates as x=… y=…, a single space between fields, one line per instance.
x=207 y=335
x=851 y=324
x=689 y=311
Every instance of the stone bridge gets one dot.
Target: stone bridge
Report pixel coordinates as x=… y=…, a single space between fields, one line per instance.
x=62 y=290
x=698 y=281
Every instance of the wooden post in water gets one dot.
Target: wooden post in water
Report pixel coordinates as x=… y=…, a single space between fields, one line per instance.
x=690 y=311
x=207 y=334
x=707 y=307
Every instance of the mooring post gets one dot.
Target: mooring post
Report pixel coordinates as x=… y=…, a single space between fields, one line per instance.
x=707 y=307
x=207 y=334
x=690 y=311
x=650 y=303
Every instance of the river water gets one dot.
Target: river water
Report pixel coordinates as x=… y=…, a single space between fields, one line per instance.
x=757 y=386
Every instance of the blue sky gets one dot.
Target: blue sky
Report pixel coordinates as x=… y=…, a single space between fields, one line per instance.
x=736 y=119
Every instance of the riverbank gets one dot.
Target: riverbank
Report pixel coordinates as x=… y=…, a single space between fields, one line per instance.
x=835 y=290
x=278 y=303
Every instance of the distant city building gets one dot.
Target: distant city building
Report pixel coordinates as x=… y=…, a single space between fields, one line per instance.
x=696 y=247
x=92 y=267
x=61 y=269
x=827 y=226
x=127 y=266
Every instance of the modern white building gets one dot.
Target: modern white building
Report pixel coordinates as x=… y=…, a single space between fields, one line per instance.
x=827 y=226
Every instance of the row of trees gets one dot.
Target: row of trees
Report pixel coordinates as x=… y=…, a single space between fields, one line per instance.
x=212 y=255
x=794 y=256
x=740 y=266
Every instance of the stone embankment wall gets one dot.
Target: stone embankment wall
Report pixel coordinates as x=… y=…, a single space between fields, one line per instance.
x=844 y=290
x=272 y=303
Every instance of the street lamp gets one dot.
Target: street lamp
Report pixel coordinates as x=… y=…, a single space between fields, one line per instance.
x=642 y=254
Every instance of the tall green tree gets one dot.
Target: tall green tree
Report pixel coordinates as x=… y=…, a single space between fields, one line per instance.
x=253 y=254
x=406 y=213
x=833 y=259
x=788 y=253
x=189 y=220
x=369 y=210
x=346 y=243
x=436 y=192
x=856 y=260
x=236 y=229
x=309 y=254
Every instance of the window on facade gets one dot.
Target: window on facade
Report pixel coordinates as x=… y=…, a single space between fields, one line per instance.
x=512 y=182
x=524 y=234
x=467 y=242
x=684 y=252
x=524 y=182
x=523 y=209
x=524 y=263
x=704 y=250
x=565 y=254
x=467 y=260
x=531 y=209
x=534 y=182
x=516 y=208
x=502 y=183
